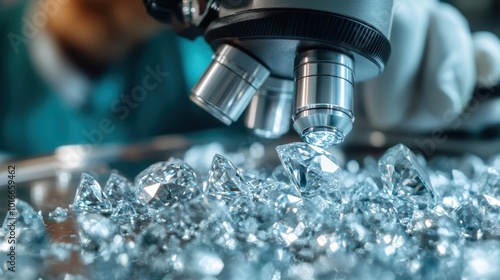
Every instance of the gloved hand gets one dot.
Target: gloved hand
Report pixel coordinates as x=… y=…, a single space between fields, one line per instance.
x=434 y=67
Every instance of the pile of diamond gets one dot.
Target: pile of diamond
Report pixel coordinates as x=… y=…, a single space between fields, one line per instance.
x=400 y=218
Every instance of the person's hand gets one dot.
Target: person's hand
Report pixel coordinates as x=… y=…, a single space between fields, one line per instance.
x=434 y=67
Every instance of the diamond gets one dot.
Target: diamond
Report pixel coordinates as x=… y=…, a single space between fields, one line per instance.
x=119 y=188
x=124 y=213
x=59 y=215
x=165 y=183
x=309 y=167
x=224 y=177
x=404 y=176
x=479 y=217
x=90 y=197
x=29 y=228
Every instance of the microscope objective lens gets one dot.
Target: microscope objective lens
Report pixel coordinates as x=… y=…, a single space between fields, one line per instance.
x=323 y=137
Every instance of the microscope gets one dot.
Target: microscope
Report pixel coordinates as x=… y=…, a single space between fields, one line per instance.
x=284 y=60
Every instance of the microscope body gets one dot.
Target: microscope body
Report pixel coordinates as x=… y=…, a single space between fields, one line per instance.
x=286 y=60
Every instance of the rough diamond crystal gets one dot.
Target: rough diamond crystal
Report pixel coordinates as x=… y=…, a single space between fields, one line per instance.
x=90 y=197
x=309 y=167
x=404 y=176
x=224 y=177
x=164 y=183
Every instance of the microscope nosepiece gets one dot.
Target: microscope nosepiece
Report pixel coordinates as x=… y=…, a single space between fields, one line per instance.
x=324 y=85
x=228 y=85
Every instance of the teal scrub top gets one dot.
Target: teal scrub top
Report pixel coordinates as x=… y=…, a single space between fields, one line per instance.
x=141 y=96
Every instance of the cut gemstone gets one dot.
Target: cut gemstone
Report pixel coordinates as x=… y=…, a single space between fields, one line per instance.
x=59 y=215
x=119 y=188
x=124 y=213
x=90 y=197
x=165 y=183
x=309 y=167
x=479 y=217
x=225 y=178
x=26 y=228
x=404 y=177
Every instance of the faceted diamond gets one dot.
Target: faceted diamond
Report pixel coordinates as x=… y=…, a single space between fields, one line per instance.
x=280 y=175
x=479 y=217
x=90 y=197
x=124 y=213
x=224 y=177
x=404 y=177
x=59 y=215
x=309 y=167
x=30 y=234
x=119 y=188
x=164 y=183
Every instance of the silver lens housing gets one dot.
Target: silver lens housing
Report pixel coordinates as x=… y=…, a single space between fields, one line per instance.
x=269 y=113
x=228 y=85
x=324 y=85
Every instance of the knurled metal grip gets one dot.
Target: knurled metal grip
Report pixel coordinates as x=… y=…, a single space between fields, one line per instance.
x=305 y=25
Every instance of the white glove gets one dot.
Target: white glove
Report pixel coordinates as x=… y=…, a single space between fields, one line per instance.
x=430 y=77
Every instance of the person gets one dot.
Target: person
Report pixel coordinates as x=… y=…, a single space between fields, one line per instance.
x=96 y=72
x=93 y=72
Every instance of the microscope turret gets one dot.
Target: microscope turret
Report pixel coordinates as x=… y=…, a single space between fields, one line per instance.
x=288 y=59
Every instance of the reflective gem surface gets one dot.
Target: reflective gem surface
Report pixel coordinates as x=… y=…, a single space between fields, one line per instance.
x=165 y=183
x=119 y=188
x=224 y=177
x=405 y=177
x=309 y=167
x=90 y=197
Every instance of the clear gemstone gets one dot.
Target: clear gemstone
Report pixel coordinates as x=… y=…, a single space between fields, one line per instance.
x=165 y=183
x=90 y=197
x=124 y=213
x=404 y=177
x=354 y=229
x=30 y=234
x=119 y=188
x=479 y=217
x=309 y=167
x=59 y=215
x=225 y=178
